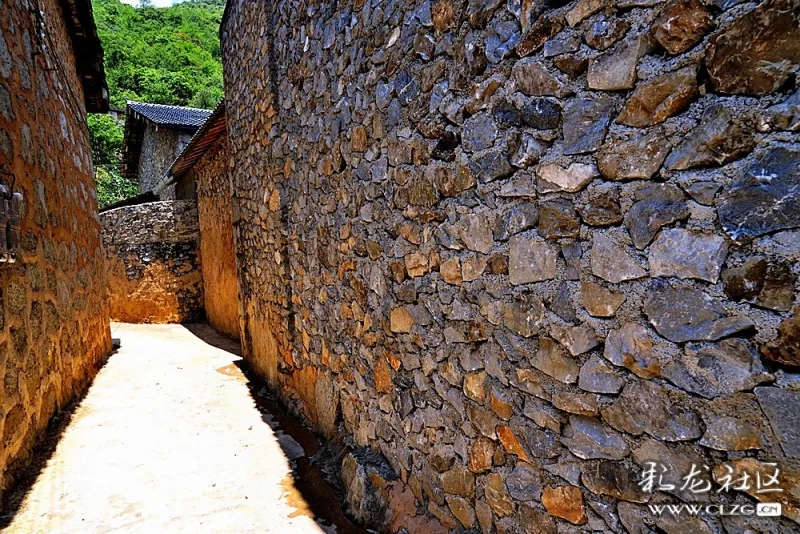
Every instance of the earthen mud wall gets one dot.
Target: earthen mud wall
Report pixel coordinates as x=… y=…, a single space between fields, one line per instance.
x=516 y=251
x=54 y=328
x=153 y=262
x=212 y=181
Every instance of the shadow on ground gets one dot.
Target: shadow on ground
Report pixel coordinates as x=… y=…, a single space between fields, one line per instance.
x=42 y=453
x=315 y=487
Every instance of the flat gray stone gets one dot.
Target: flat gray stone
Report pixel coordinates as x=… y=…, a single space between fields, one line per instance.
x=585 y=124
x=516 y=220
x=616 y=70
x=530 y=261
x=686 y=254
x=691 y=315
x=610 y=262
x=782 y=407
x=599 y=377
x=644 y=407
x=714 y=370
x=765 y=199
x=479 y=132
x=657 y=205
x=524 y=483
x=587 y=438
x=476 y=231
x=718 y=139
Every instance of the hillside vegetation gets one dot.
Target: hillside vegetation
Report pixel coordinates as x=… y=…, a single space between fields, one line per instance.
x=159 y=55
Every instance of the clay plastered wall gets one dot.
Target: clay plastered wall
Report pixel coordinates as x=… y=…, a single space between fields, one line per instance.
x=54 y=331
x=211 y=176
x=153 y=262
x=524 y=251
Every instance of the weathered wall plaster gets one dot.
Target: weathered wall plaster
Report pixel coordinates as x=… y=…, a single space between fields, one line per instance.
x=153 y=262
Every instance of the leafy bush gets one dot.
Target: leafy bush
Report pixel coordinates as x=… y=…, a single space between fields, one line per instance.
x=111 y=187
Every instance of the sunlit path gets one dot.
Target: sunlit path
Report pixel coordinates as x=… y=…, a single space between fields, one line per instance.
x=168 y=439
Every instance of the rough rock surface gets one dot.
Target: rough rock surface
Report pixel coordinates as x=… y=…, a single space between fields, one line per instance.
x=768 y=35
x=681 y=24
x=659 y=98
x=765 y=198
x=690 y=314
x=638 y=157
x=718 y=139
x=611 y=262
x=681 y=253
x=716 y=369
x=475 y=201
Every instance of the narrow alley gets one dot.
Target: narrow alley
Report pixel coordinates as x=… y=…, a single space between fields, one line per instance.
x=170 y=438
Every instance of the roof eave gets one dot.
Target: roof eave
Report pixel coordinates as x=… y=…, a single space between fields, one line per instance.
x=88 y=52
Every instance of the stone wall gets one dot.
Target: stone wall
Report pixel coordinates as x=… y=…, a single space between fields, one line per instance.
x=522 y=251
x=160 y=147
x=153 y=262
x=54 y=329
x=212 y=179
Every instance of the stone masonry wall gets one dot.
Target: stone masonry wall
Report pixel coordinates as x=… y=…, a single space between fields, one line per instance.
x=160 y=147
x=54 y=328
x=520 y=250
x=153 y=262
x=211 y=176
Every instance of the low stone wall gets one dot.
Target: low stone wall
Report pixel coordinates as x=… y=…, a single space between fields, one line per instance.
x=153 y=262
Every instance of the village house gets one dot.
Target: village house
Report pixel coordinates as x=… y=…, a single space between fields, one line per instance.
x=202 y=172
x=54 y=319
x=155 y=135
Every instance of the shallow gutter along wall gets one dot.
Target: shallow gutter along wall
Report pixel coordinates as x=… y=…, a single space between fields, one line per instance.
x=519 y=252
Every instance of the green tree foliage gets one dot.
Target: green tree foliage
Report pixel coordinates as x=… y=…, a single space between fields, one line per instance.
x=111 y=187
x=158 y=55
x=161 y=55
x=105 y=134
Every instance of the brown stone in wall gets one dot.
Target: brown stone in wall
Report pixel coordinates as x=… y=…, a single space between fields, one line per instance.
x=659 y=98
x=758 y=53
x=54 y=320
x=681 y=24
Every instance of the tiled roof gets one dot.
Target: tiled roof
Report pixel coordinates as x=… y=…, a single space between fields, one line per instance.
x=171 y=115
x=88 y=52
x=202 y=140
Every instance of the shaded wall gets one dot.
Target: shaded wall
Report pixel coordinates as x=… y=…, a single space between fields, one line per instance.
x=522 y=252
x=211 y=177
x=54 y=328
x=160 y=147
x=153 y=262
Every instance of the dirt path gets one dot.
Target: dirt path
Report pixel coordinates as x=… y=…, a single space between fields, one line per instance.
x=169 y=438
